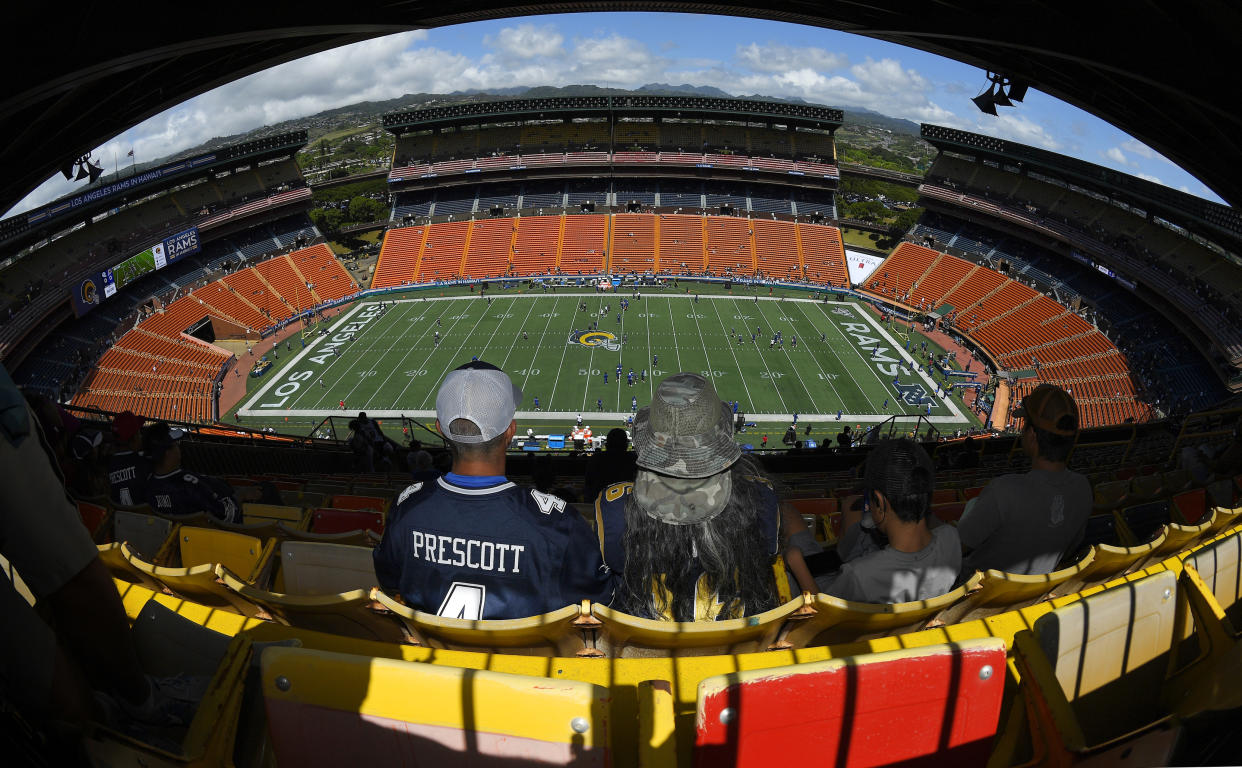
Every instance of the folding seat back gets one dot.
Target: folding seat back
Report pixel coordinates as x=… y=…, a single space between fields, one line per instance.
x=239 y=553
x=94 y=517
x=1190 y=507
x=1217 y=564
x=357 y=501
x=1111 y=562
x=1096 y=665
x=1143 y=521
x=619 y=634
x=1102 y=529
x=198 y=584
x=928 y=706
x=331 y=520
x=1180 y=537
x=349 y=614
x=145 y=533
x=357 y=538
x=551 y=634
x=1000 y=591
x=310 y=568
x=1146 y=487
x=1110 y=495
x=254 y=513
x=1225 y=517
x=327 y=708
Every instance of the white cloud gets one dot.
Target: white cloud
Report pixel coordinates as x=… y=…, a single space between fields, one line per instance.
x=775 y=57
x=1149 y=177
x=1117 y=156
x=1018 y=128
x=526 y=41
x=1136 y=147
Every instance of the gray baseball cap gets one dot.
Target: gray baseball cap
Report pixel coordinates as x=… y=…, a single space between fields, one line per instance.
x=480 y=393
x=685 y=448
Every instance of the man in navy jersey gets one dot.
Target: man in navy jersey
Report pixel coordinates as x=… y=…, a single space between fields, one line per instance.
x=128 y=469
x=471 y=544
x=172 y=490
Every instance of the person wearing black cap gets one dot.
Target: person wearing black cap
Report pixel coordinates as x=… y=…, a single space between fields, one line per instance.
x=918 y=562
x=473 y=545
x=128 y=468
x=1026 y=523
x=172 y=490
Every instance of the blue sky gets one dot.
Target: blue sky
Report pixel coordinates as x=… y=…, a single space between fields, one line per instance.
x=739 y=56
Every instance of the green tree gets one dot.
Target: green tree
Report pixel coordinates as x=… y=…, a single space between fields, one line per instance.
x=327 y=219
x=364 y=209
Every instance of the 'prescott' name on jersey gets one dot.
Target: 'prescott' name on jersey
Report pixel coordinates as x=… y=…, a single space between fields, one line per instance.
x=468 y=553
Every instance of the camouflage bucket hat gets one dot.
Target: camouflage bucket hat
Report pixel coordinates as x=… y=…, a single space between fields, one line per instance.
x=686 y=431
x=685 y=448
x=681 y=500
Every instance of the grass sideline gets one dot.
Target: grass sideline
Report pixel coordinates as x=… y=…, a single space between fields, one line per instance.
x=393 y=366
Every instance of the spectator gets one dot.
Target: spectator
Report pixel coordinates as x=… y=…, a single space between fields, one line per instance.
x=1026 y=523
x=890 y=553
x=172 y=490
x=57 y=680
x=700 y=520
x=421 y=465
x=844 y=439
x=471 y=544
x=369 y=442
x=614 y=464
x=128 y=468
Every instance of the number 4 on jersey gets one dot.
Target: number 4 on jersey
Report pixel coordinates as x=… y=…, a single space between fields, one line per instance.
x=547 y=502
x=463 y=601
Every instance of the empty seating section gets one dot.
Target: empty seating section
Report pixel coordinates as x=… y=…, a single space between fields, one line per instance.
x=776 y=250
x=728 y=246
x=896 y=276
x=279 y=274
x=1011 y=296
x=633 y=243
x=157 y=371
x=537 y=244
x=398 y=261
x=823 y=254
x=219 y=297
x=250 y=288
x=442 y=251
x=582 y=248
x=681 y=244
x=490 y=244
x=969 y=298
x=328 y=278
x=644 y=135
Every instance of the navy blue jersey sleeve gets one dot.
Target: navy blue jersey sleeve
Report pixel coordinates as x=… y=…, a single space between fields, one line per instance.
x=389 y=557
x=610 y=524
x=583 y=573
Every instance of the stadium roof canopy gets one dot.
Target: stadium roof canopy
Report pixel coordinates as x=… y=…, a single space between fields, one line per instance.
x=87 y=73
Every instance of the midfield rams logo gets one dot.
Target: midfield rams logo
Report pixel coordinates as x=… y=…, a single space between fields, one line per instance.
x=595 y=339
x=89 y=293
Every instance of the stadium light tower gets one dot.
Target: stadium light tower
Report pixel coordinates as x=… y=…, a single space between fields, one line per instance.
x=1002 y=91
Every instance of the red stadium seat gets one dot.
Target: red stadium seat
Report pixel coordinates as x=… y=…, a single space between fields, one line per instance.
x=328 y=520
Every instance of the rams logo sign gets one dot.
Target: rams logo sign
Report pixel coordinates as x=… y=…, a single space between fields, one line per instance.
x=89 y=293
x=595 y=339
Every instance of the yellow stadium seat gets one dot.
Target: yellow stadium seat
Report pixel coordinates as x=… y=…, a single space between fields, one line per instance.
x=1111 y=495
x=292 y=516
x=1091 y=672
x=619 y=634
x=552 y=634
x=1000 y=591
x=1110 y=562
x=1209 y=681
x=198 y=584
x=348 y=613
x=114 y=560
x=1225 y=518
x=145 y=533
x=309 y=568
x=328 y=708
x=1179 y=537
x=835 y=620
x=239 y=553
x=1217 y=565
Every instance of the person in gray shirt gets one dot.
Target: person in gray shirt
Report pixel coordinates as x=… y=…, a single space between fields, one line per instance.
x=919 y=562
x=1027 y=523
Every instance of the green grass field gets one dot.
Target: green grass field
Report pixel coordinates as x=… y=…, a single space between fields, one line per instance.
x=392 y=365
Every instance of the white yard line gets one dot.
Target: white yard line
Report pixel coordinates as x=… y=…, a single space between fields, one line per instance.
x=827 y=376
x=518 y=333
x=676 y=351
x=927 y=379
x=401 y=336
x=797 y=374
x=737 y=364
x=775 y=387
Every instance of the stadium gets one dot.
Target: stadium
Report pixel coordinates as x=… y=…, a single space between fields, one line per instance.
x=590 y=246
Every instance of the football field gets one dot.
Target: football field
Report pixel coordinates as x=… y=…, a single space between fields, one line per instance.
x=385 y=358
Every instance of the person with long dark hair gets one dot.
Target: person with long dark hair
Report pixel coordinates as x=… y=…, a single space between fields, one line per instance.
x=694 y=537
